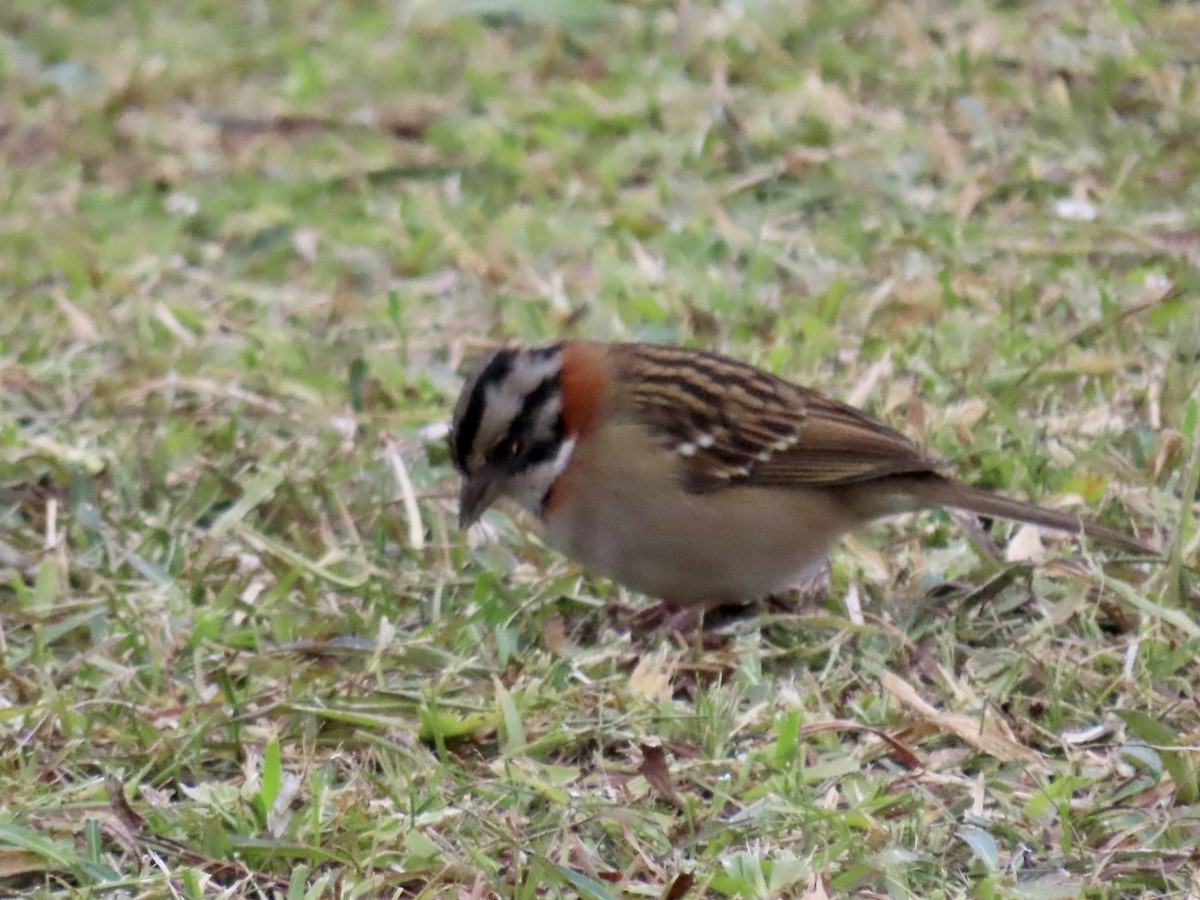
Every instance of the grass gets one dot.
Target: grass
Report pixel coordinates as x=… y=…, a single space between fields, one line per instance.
x=245 y=253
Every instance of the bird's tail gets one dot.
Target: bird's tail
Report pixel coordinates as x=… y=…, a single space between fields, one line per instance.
x=936 y=490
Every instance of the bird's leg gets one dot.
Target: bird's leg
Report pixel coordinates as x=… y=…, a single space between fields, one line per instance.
x=810 y=591
x=683 y=618
x=663 y=616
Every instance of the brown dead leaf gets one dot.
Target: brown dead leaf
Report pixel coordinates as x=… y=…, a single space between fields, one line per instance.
x=22 y=862
x=120 y=806
x=554 y=636
x=679 y=887
x=988 y=734
x=655 y=770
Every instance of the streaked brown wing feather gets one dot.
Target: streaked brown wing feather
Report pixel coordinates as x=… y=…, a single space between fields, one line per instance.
x=732 y=424
x=840 y=445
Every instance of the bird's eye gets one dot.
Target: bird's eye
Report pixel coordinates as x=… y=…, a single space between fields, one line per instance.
x=507 y=450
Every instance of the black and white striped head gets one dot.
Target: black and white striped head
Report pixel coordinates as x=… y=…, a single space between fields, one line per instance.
x=508 y=438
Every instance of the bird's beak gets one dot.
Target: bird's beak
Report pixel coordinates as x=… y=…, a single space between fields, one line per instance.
x=478 y=493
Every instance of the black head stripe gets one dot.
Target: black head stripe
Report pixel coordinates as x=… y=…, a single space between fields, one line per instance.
x=469 y=416
x=534 y=401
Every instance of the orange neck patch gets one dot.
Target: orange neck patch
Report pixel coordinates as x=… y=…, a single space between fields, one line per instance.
x=583 y=386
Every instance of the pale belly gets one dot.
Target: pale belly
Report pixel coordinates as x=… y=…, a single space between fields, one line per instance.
x=739 y=544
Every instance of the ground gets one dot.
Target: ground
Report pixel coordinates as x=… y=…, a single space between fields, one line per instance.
x=247 y=251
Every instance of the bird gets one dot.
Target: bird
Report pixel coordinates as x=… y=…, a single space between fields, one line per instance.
x=690 y=476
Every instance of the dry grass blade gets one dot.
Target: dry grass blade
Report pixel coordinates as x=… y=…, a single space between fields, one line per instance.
x=412 y=512
x=907 y=756
x=986 y=733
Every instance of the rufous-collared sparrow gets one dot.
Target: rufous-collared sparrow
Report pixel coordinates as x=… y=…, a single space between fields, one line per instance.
x=690 y=476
